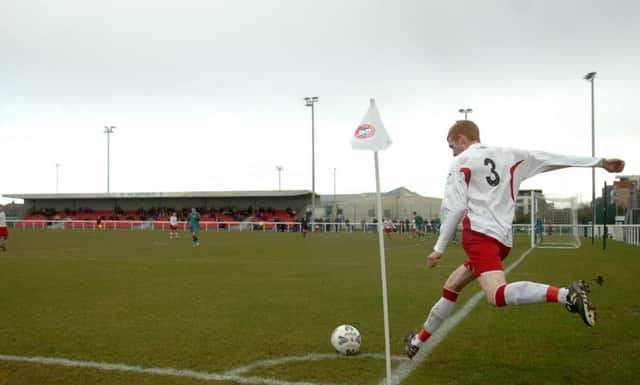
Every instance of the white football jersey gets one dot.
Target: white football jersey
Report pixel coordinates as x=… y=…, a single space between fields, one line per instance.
x=3 y=219
x=483 y=184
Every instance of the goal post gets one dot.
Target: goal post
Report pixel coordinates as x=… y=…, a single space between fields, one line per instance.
x=554 y=223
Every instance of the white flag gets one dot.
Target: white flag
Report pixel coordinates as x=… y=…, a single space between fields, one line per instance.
x=370 y=134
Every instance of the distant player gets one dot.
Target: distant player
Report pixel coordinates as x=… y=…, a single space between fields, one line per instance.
x=539 y=228
x=173 y=225
x=4 y=230
x=387 y=227
x=194 y=223
x=418 y=231
x=304 y=226
x=481 y=191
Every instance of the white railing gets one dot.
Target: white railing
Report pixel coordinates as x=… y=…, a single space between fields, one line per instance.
x=624 y=233
x=221 y=226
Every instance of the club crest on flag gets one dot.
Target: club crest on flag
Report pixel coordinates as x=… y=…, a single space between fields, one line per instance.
x=370 y=134
x=364 y=131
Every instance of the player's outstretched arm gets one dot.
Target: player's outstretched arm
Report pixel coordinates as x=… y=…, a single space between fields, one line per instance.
x=613 y=165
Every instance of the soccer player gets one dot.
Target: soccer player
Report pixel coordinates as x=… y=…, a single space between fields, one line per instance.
x=4 y=230
x=418 y=230
x=194 y=223
x=387 y=227
x=304 y=225
x=481 y=188
x=173 y=225
x=539 y=227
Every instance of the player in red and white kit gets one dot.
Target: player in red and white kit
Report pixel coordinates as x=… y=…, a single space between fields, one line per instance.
x=480 y=191
x=173 y=225
x=4 y=230
x=387 y=227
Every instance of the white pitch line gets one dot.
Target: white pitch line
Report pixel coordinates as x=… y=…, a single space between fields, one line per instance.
x=406 y=368
x=155 y=371
x=231 y=375
x=308 y=357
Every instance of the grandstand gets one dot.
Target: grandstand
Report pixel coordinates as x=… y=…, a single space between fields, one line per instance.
x=125 y=210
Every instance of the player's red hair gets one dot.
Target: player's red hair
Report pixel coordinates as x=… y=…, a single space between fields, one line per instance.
x=466 y=128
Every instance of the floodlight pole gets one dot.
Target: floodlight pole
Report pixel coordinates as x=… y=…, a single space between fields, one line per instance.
x=334 y=193
x=57 y=176
x=605 y=203
x=590 y=77
x=465 y=111
x=108 y=130
x=310 y=102
x=279 y=168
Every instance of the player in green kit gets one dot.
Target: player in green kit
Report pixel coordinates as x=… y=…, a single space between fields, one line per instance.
x=194 y=222
x=419 y=221
x=539 y=229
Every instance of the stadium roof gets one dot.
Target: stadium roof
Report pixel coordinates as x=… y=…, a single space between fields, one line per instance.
x=184 y=194
x=400 y=191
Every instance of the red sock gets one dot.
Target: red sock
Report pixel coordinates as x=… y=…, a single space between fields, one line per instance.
x=500 y=300
x=450 y=295
x=552 y=294
x=424 y=335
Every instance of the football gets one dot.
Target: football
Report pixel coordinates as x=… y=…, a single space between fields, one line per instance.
x=346 y=339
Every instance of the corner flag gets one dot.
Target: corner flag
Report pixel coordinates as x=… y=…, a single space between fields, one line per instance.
x=371 y=135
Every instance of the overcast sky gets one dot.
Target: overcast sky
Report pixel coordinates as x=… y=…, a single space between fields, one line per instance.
x=208 y=95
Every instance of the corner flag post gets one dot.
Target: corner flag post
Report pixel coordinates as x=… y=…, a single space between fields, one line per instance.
x=383 y=272
x=371 y=135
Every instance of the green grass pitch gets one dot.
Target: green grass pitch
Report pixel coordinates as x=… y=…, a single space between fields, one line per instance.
x=264 y=304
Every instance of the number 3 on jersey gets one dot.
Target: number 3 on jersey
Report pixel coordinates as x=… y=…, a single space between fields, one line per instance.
x=493 y=181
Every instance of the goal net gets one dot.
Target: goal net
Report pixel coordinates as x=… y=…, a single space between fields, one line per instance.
x=554 y=222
